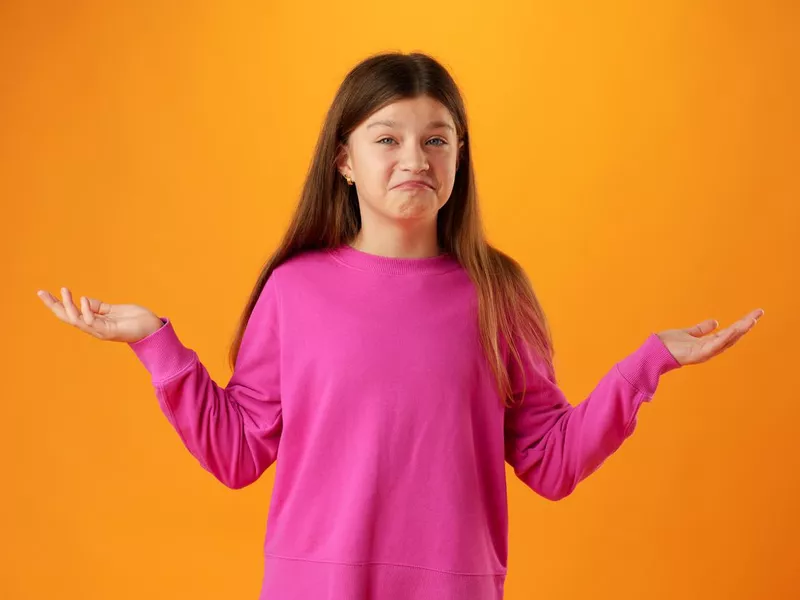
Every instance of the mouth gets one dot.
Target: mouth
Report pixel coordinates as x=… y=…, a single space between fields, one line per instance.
x=414 y=185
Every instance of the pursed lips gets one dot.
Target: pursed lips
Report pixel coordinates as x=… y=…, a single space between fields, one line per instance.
x=415 y=184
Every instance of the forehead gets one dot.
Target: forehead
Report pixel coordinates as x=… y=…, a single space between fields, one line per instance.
x=423 y=111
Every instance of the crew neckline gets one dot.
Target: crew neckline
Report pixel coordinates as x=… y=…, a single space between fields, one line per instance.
x=364 y=261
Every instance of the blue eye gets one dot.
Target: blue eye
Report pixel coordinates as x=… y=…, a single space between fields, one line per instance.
x=444 y=142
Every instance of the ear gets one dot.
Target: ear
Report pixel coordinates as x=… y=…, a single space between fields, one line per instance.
x=459 y=153
x=343 y=164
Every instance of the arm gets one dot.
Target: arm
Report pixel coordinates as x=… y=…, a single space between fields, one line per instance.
x=553 y=445
x=232 y=431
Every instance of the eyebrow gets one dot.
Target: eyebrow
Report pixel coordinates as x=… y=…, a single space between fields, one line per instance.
x=431 y=125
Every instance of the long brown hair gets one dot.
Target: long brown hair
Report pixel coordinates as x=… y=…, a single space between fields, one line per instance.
x=327 y=215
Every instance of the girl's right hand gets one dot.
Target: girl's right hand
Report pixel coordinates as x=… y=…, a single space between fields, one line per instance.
x=112 y=322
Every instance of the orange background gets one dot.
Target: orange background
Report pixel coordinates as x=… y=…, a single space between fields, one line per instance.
x=640 y=159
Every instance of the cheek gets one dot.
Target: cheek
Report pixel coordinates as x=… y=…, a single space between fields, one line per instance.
x=446 y=171
x=377 y=167
x=445 y=162
x=375 y=177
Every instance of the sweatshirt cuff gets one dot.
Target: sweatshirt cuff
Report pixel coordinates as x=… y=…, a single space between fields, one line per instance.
x=162 y=353
x=643 y=367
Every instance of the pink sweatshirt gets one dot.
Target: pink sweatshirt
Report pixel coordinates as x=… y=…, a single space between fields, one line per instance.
x=363 y=378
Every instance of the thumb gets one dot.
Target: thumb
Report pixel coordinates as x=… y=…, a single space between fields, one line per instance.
x=98 y=306
x=703 y=328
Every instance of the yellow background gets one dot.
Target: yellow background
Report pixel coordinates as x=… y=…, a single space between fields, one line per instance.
x=639 y=158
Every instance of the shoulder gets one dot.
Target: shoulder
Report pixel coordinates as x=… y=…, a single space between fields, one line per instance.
x=303 y=272
x=302 y=264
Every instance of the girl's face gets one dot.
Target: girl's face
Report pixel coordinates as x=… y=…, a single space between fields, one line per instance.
x=403 y=160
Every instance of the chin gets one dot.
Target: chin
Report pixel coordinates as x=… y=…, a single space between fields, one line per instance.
x=415 y=210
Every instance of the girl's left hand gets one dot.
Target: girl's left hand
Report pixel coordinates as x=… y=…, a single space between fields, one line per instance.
x=689 y=347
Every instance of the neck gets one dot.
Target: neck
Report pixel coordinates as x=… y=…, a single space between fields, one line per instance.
x=402 y=244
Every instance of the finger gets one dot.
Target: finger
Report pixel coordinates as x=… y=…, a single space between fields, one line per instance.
x=47 y=298
x=730 y=342
x=721 y=340
x=58 y=309
x=733 y=335
x=53 y=304
x=86 y=311
x=73 y=314
x=703 y=328
x=745 y=324
x=749 y=319
x=69 y=307
x=99 y=307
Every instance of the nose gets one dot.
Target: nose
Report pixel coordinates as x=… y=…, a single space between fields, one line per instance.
x=414 y=158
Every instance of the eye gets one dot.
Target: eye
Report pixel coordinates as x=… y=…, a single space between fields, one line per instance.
x=437 y=139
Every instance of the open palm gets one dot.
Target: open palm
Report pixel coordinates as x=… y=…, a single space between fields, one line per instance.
x=694 y=345
x=111 y=322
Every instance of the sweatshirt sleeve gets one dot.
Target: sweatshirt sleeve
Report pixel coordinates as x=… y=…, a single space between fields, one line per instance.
x=232 y=431
x=553 y=445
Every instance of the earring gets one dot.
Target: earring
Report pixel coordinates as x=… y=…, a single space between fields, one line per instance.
x=349 y=181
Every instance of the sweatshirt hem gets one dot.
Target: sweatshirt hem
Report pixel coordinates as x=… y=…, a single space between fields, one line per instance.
x=383 y=564
x=294 y=578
